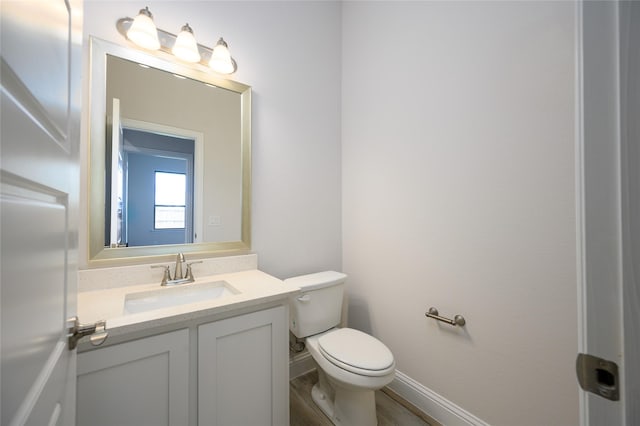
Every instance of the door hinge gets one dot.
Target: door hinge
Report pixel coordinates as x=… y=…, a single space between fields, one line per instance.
x=598 y=376
x=77 y=331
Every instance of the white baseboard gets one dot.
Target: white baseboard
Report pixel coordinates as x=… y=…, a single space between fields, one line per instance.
x=434 y=405
x=300 y=364
x=426 y=400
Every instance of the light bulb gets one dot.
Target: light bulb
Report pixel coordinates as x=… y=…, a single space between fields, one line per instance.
x=143 y=31
x=186 y=47
x=221 y=60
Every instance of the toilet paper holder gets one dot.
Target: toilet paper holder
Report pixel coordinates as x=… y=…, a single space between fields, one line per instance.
x=457 y=320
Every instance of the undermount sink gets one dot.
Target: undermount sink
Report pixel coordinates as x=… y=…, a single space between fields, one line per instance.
x=174 y=296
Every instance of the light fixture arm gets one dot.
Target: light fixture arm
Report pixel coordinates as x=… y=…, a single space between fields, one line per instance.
x=186 y=27
x=167 y=40
x=146 y=12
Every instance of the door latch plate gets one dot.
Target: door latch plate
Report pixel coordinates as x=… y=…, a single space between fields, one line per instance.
x=599 y=376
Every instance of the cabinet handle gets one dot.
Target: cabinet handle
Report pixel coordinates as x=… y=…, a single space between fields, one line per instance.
x=304 y=298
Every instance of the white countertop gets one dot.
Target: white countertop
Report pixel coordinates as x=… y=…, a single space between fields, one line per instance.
x=255 y=288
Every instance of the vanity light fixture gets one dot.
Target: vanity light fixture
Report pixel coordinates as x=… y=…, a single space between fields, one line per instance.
x=143 y=33
x=186 y=47
x=221 y=60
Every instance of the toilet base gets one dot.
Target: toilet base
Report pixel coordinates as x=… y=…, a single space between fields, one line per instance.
x=343 y=406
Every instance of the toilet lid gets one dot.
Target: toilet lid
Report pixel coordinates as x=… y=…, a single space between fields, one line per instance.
x=356 y=351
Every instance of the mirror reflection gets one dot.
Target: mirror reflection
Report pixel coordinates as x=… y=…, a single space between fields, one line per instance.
x=152 y=186
x=174 y=156
x=158 y=119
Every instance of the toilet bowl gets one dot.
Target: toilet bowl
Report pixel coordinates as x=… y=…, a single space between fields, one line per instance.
x=352 y=365
x=345 y=391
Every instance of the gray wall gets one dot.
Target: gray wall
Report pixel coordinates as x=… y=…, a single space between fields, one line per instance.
x=458 y=192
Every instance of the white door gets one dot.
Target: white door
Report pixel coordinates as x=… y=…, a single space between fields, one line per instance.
x=40 y=59
x=117 y=172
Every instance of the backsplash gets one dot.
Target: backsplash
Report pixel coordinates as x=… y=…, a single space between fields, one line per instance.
x=123 y=276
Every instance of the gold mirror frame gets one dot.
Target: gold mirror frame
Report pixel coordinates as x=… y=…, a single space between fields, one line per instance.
x=98 y=254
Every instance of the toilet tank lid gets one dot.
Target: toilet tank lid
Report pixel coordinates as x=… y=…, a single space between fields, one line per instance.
x=317 y=280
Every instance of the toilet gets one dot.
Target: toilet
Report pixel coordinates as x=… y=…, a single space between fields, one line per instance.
x=352 y=365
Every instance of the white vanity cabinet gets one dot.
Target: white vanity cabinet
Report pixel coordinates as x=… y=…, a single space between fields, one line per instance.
x=142 y=382
x=243 y=376
x=235 y=370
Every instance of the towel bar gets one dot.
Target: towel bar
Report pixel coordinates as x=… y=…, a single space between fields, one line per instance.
x=457 y=320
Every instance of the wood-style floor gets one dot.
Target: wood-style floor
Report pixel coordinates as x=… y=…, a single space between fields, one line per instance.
x=304 y=412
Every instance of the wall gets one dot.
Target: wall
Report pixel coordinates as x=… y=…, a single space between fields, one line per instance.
x=289 y=52
x=458 y=193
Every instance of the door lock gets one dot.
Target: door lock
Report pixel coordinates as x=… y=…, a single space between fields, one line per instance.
x=599 y=376
x=77 y=331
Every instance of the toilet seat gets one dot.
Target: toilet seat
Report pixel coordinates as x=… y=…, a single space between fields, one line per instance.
x=356 y=352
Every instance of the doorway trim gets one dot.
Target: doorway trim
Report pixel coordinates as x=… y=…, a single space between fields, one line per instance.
x=599 y=248
x=198 y=164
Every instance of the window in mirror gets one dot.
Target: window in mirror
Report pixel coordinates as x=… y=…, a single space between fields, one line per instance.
x=170 y=206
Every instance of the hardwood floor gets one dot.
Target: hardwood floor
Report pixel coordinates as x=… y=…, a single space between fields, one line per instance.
x=304 y=412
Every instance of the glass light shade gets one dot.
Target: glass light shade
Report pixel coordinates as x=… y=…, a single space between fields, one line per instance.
x=143 y=31
x=221 y=60
x=186 y=47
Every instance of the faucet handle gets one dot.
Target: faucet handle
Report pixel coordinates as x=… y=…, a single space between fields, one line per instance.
x=167 y=273
x=189 y=273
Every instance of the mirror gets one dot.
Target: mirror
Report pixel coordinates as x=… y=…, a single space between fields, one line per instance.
x=153 y=121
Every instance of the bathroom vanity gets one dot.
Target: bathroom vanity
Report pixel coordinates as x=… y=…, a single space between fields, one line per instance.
x=212 y=352
x=219 y=360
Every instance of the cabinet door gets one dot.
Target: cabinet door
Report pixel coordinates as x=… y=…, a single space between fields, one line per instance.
x=243 y=376
x=138 y=383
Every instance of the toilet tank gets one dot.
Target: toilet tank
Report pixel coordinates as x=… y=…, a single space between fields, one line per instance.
x=318 y=306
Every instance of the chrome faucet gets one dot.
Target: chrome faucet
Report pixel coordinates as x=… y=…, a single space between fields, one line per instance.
x=178 y=276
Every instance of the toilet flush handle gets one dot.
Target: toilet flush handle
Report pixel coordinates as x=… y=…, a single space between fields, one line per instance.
x=304 y=298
